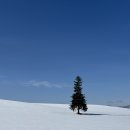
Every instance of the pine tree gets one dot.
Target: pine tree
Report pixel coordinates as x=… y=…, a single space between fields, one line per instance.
x=78 y=99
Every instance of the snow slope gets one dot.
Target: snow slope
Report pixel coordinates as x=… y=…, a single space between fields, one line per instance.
x=36 y=116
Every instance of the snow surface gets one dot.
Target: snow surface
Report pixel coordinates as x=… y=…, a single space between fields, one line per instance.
x=35 y=116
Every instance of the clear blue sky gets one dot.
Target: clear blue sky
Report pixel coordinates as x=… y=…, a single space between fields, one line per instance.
x=44 y=45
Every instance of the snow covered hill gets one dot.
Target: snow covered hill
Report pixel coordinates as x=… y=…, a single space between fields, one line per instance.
x=36 y=116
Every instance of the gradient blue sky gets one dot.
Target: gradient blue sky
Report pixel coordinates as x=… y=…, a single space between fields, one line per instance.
x=44 y=45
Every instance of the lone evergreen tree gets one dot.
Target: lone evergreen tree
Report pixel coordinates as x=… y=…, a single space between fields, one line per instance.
x=78 y=99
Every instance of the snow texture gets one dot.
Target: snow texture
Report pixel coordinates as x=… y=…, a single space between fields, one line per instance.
x=35 y=116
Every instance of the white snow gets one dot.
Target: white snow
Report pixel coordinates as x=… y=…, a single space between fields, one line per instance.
x=35 y=116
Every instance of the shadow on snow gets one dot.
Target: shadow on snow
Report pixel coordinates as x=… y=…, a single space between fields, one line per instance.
x=92 y=114
x=97 y=114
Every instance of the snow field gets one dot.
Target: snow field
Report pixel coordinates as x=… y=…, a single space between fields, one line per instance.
x=37 y=116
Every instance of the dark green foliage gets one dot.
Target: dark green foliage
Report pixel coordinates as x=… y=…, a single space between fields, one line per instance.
x=78 y=99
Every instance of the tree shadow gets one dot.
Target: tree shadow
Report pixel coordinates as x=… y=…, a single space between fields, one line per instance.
x=92 y=114
x=98 y=114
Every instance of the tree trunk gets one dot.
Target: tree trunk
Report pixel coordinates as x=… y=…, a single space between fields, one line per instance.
x=78 y=110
